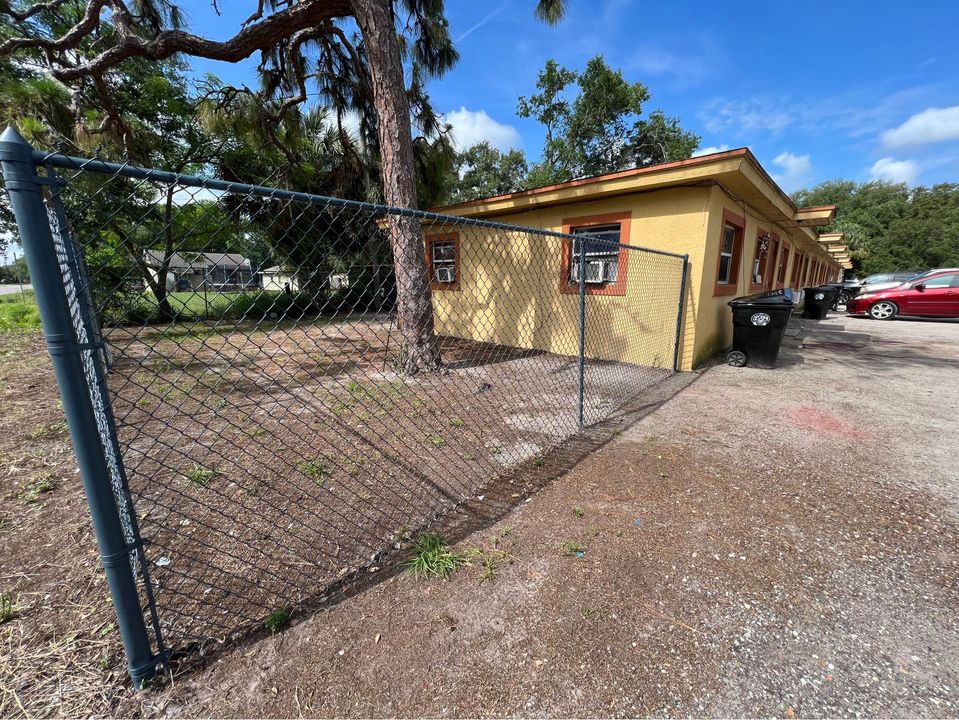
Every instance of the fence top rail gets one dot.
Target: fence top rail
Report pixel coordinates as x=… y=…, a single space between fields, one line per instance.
x=69 y=162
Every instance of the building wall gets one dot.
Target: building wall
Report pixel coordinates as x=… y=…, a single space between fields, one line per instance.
x=713 y=320
x=509 y=286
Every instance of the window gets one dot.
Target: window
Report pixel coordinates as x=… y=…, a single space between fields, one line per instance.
x=601 y=250
x=783 y=262
x=797 y=269
x=599 y=238
x=726 y=254
x=730 y=250
x=443 y=256
x=941 y=281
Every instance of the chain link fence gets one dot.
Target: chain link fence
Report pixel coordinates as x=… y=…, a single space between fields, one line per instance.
x=258 y=365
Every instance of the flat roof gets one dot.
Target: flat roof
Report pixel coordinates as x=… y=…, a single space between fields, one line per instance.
x=738 y=171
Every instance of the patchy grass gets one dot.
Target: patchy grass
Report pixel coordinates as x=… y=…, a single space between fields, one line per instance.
x=48 y=430
x=578 y=511
x=539 y=461
x=200 y=476
x=489 y=568
x=571 y=548
x=316 y=470
x=7 y=611
x=433 y=558
x=456 y=422
x=32 y=492
x=277 y=621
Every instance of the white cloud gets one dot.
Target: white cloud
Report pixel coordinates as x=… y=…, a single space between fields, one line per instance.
x=929 y=126
x=855 y=112
x=794 y=169
x=900 y=171
x=772 y=115
x=471 y=127
x=710 y=149
x=686 y=69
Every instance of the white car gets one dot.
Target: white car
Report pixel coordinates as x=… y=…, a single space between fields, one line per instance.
x=885 y=281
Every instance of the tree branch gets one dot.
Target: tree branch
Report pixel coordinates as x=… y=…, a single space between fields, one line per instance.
x=258 y=36
x=34 y=9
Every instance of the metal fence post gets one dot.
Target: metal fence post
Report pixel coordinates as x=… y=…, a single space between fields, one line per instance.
x=679 y=312
x=582 y=329
x=25 y=189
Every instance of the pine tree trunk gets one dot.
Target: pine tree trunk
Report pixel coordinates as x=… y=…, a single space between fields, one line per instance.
x=413 y=295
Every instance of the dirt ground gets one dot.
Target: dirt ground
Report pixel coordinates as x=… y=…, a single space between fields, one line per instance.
x=270 y=464
x=778 y=543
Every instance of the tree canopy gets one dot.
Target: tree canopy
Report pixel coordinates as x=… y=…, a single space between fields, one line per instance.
x=599 y=128
x=891 y=227
x=483 y=170
x=594 y=124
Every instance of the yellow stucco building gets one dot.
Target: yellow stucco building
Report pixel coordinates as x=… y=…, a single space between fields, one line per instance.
x=740 y=232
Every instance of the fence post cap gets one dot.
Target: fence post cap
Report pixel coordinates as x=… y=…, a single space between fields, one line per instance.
x=12 y=135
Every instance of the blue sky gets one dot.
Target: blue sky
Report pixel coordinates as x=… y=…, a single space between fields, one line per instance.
x=818 y=90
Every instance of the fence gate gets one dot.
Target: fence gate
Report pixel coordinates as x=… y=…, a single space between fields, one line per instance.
x=263 y=408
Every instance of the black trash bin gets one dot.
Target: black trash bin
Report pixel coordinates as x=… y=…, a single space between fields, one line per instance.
x=837 y=290
x=818 y=301
x=759 y=322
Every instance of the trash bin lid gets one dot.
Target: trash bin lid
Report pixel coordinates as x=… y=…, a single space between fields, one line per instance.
x=783 y=297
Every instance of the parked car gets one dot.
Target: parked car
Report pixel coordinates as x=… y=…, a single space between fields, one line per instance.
x=848 y=288
x=931 y=294
x=874 y=283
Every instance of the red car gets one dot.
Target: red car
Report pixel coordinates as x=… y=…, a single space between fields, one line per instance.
x=932 y=294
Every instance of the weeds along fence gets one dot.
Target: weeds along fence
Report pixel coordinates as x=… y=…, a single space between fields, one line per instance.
x=236 y=369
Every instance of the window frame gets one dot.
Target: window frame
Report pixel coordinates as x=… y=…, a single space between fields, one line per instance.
x=618 y=288
x=952 y=284
x=432 y=240
x=782 y=265
x=738 y=223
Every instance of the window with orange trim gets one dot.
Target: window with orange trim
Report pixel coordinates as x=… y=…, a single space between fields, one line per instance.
x=443 y=258
x=730 y=254
x=605 y=266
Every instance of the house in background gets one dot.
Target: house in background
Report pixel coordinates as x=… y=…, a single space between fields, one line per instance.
x=203 y=270
x=278 y=279
x=742 y=234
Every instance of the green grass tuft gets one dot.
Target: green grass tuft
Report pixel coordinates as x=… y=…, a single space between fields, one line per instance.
x=432 y=558
x=316 y=470
x=38 y=487
x=277 y=621
x=572 y=549
x=578 y=511
x=200 y=476
x=7 y=613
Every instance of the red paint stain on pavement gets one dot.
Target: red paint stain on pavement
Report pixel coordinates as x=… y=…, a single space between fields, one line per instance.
x=822 y=422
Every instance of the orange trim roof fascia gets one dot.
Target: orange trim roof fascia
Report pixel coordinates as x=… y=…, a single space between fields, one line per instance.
x=701 y=160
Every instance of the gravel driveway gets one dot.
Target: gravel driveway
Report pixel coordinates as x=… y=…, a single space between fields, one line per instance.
x=775 y=543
